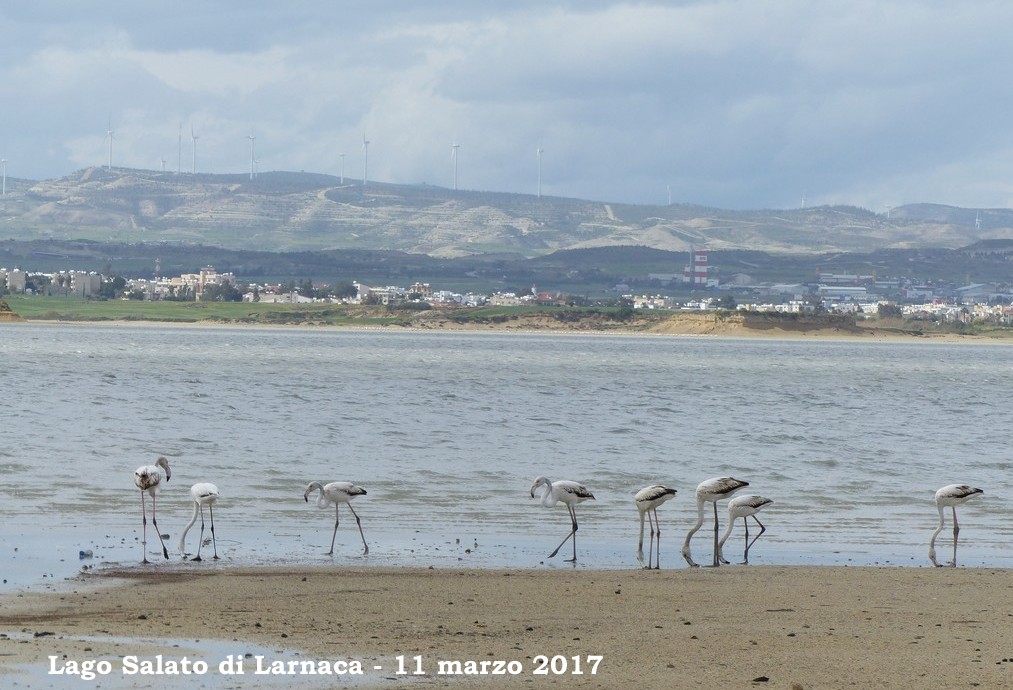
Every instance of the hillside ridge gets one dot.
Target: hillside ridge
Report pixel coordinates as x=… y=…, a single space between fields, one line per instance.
x=284 y=212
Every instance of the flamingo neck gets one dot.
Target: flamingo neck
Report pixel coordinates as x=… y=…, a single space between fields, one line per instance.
x=193 y=520
x=699 y=516
x=321 y=499
x=728 y=531
x=548 y=498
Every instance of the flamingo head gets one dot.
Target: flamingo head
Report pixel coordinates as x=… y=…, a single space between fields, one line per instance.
x=310 y=488
x=539 y=481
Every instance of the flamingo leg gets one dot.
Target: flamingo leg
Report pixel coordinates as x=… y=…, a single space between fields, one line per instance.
x=359 y=523
x=749 y=544
x=716 y=561
x=144 y=529
x=573 y=516
x=200 y=540
x=956 y=531
x=640 y=544
x=573 y=533
x=656 y=534
x=335 y=533
x=214 y=544
x=165 y=551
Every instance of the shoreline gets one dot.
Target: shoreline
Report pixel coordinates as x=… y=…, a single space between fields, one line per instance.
x=689 y=328
x=742 y=626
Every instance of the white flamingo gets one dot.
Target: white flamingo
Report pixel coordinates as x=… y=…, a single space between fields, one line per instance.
x=147 y=478
x=570 y=493
x=950 y=495
x=648 y=499
x=338 y=493
x=743 y=507
x=204 y=494
x=710 y=491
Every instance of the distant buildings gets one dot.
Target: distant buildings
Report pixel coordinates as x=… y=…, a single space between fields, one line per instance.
x=846 y=293
x=70 y=283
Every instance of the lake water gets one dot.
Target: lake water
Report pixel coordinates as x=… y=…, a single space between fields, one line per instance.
x=447 y=431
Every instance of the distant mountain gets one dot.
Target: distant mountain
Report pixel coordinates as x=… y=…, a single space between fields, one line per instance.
x=281 y=211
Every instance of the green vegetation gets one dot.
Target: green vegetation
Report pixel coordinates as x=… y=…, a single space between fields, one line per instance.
x=69 y=309
x=324 y=314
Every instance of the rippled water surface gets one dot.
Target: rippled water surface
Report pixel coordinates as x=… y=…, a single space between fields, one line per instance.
x=447 y=431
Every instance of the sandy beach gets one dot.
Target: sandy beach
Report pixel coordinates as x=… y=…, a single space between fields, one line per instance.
x=737 y=626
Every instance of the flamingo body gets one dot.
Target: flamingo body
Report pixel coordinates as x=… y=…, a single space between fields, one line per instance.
x=338 y=493
x=147 y=478
x=743 y=507
x=950 y=496
x=711 y=491
x=203 y=494
x=566 y=492
x=647 y=500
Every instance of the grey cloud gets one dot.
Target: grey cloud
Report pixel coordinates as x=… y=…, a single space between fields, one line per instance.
x=726 y=103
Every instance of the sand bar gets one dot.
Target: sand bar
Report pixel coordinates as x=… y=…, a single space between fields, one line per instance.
x=737 y=626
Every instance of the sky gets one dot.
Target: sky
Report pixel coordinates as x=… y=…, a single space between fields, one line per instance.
x=735 y=104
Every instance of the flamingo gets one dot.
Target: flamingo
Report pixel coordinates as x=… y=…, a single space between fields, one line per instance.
x=570 y=493
x=710 y=491
x=147 y=478
x=743 y=507
x=648 y=499
x=204 y=494
x=338 y=493
x=950 y=495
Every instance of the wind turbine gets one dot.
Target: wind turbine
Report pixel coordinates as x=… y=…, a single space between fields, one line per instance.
x=538 y=152
x=3 y=162
x=194 y=137
x=453 y=153
x=365 y=158
x=179 y=151
x=342 y=157
x=252 y=140
x=109 y=133
x=163 y=165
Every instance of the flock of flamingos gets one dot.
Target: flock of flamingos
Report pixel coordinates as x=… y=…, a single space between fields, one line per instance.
x=147 y=478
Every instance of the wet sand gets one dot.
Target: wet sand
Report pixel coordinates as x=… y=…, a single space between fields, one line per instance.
x=737 y=626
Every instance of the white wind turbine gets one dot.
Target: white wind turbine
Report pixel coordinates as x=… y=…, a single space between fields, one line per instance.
x=3 y=162
x=194 y=137
x=179 y=151
x=453 y=153
x=365 y=158
x=342 y=157
x=538 y=152
x=252 y=163
x=109 y=133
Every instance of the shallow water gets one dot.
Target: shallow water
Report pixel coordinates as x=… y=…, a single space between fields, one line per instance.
x=447 y=431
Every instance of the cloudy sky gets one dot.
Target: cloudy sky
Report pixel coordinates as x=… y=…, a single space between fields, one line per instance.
x=735 y=104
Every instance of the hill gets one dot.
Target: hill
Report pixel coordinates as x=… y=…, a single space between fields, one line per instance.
x=289 y=212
